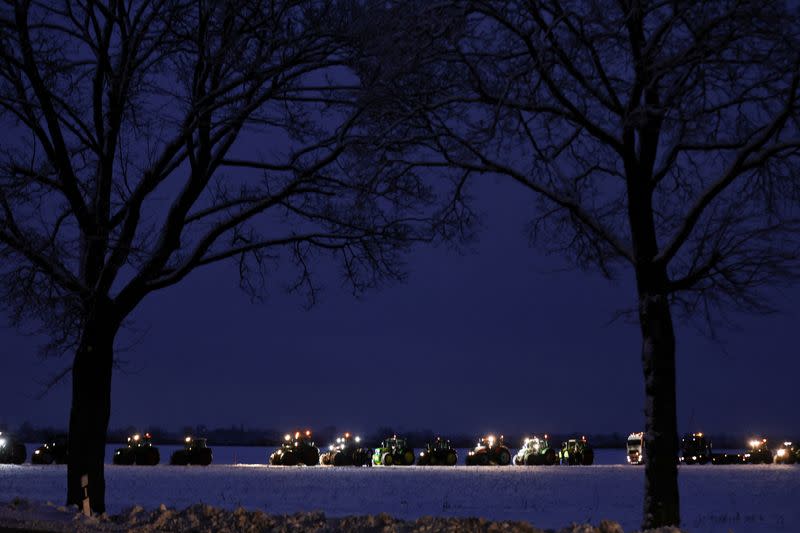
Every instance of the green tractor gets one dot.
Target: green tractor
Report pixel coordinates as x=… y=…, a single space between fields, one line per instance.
x=346 y=451
x=393 y=451
x=438 y=452
x=489 y=451
x=194 y=452
x=787 y=454
x=576 y=452
x=139 y=451
x=53 y=451
x=758 y=452
x=297 y=449
x=11 y=451
x=536 y=451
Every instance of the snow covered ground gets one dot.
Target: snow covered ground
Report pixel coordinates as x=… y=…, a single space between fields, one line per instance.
x=752 y=499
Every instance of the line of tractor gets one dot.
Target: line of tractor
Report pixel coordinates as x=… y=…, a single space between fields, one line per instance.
x=298 y=448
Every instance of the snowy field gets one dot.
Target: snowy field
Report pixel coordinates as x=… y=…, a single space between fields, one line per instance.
x=753 y=499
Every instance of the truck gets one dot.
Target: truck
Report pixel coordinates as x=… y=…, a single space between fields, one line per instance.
x=195 y=452
x=536 y=451
x=298 y=448
x=490 y=450
x=695 y=449
x=139 y=451
x=438 y=452
x=576 y=452
x=347 y=451
x=11 y=450
x=393 y=451
x=635 y=448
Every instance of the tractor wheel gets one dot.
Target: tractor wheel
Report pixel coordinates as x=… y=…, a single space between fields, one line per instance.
x=451 y=459
x=550 y=457
x=179 y=458
x=531 y=459
x=482 y=459
x=325 y=459
x=432 y=460
x=703 y=460
x=387 y=459
x=768 y=459
x=275 y=459
x=123 y=457
x=311 y=457
x=408 y=458
x=338 y=459
x=41 y=458
x=147 y=457
x=517 y=460
x=18 y=453
x=203 y=457
x=587 y=457
x=503 y=457
x=289 y=459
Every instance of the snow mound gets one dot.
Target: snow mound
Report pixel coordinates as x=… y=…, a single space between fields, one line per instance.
x=47 y=517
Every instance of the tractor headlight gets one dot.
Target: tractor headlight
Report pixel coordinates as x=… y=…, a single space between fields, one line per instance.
x=2 y=443
x=37 y=452
x=781 y=452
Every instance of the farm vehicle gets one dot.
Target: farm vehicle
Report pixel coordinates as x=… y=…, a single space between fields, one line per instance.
x=393 y=451
x=438 y=452
x=576 y=452
x=11 y=450
x=139 y=451
x=53 y=451
x=490 y=450
x=297 y=449
x=536 y=451
x=194 y=452
x=347 y=451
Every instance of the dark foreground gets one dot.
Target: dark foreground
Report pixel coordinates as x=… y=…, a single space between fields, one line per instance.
x=24 y=516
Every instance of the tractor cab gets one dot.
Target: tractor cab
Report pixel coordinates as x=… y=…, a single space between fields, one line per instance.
x=695 y=448
x=297 y=439
x=140 y=441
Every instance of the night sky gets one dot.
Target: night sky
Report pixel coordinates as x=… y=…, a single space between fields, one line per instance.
x=499 y=338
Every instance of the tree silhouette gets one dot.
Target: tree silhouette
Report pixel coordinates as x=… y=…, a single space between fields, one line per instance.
x=147 y=139
x=657 y=137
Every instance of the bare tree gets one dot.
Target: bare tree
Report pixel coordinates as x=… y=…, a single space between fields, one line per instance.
x=660 y=137
x=144 y=140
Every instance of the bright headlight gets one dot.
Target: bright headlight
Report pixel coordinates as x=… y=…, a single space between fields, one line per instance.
x=2 y=442
x=781 y=452
x=754 y=443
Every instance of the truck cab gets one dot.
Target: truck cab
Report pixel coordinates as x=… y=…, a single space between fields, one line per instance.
x=635 y=448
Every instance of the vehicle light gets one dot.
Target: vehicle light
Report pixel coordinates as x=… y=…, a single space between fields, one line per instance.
x=37 y=452
x=330 y=447
x=347 y=435
x=754 y=443
x=287 y=437
x=188 y=439
x=781 y=452
x=2 y=442
x=308 y=433
x=358 y=439
x=136 y=437
x=787 y=443
x=297 y=434
x=694 y=458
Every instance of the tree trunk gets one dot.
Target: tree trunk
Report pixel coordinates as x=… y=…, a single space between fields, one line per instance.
x=661 y=500
x=91 y=408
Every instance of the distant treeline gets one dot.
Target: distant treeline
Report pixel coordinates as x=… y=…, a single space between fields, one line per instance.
x=242 y=436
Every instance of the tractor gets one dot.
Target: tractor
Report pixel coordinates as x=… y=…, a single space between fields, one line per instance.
x=11 y=451
x=297 y=449
x=536 y=451
x=490 y=450
x=194 y=452
x=438 y=452
x=139 y=451
x=53 y=451
x=393 y=451
x=576 y=452
x=695 y=449
x=787 y=454
x=346 y=451
x=757 y=452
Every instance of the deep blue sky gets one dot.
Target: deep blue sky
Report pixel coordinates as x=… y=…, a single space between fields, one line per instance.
x=501 y=338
